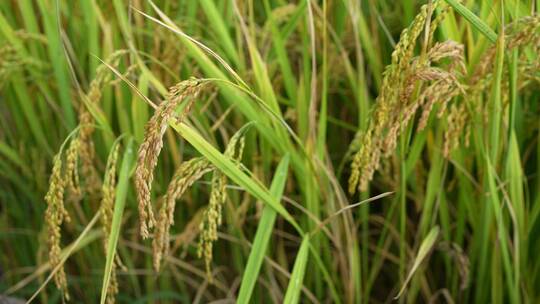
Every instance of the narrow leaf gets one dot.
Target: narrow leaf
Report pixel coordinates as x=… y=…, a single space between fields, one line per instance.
x=474 y=20
x=119 y=204
x=224 y=164
x=295 y=284
x=423 y=251
x=262 y=236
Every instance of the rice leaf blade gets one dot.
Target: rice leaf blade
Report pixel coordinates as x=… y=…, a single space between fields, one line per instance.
x=425 y=248
x=119 y=205
x=263 y=234
x=475 y=21
x=294 y=288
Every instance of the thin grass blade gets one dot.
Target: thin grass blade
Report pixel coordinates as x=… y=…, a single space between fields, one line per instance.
x=475 y=21
x=299 y=270
x=423 y=252
x=119 y=204
x=263 y=234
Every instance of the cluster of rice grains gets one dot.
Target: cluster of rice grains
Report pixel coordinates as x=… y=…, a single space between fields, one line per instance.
x=55 y=215
x=13 y=60
x=86 y=121
x=409 y=84
x=106 y=209
x=149 y=150
x=436 y=76
x=212 y=215
x=72 y=169
x=184 y=177
x=65 y=178
x=521 y=34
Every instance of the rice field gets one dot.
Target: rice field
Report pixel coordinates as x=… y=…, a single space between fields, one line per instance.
x=241 y=151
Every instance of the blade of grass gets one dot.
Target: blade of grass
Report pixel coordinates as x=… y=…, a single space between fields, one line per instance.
x=503 y=238
x=198 y=51
x=423 y=251
x=57 y=57
x=263 y=234
x=232 y=171
x=92 y=33
x=281 y=54
x=83 y=238
x=294 y=288
x=475 y=21
x=119 y=204
x=218 y=24
x=260 y=70
x=496 y=101
x=490 y=153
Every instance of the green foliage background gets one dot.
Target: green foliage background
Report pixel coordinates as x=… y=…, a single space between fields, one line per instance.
x=462 y=228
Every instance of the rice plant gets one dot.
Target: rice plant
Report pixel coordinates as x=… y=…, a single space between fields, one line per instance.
x=313 y=151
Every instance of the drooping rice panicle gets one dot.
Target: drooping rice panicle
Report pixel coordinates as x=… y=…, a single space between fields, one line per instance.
x=86 y=149
x=55 y=215
x=212 y=216
x=187 y=174
x=108 y=190
x=72 y=169
x=149 y=150
x=12 y=62
x=409 y=84
x=518 y=34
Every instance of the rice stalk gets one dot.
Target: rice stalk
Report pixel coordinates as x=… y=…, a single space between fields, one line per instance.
x=65 y=176
x=519 y=34
x=185 y=176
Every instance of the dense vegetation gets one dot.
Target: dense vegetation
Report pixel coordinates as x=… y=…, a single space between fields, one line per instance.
x=325 y=151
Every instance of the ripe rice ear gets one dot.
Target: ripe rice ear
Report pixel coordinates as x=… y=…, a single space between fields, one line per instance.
x=55 y=215
x=409 y=84
x=149 y=150
x=85 y=149
x=187 y=174
x=212 y=216
x=108 y=190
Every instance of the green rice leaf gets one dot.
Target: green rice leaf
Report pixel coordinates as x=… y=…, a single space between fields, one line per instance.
x=263 y=234
x=292 y=295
